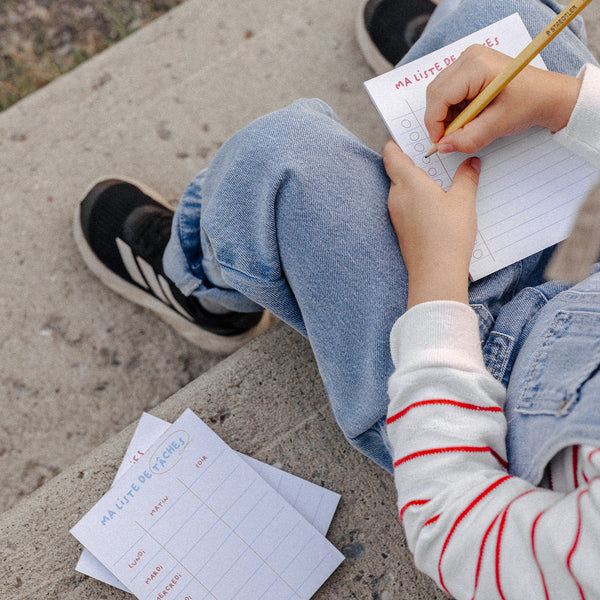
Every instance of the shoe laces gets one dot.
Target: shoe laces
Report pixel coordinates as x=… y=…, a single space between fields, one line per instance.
x=149 y=229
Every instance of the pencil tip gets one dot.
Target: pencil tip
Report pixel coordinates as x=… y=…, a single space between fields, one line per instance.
x=431 y=150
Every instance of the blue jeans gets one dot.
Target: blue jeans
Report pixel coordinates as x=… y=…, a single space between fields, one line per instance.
x=291 y=216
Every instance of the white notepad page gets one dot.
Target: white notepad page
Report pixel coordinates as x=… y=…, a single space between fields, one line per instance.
x=315 y=503
x=193 y=519
x=530 y=187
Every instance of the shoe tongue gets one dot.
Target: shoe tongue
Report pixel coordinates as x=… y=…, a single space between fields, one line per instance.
x=147 y=231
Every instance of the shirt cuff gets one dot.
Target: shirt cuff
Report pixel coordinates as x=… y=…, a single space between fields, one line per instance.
x=441 y=333
x=581 y=135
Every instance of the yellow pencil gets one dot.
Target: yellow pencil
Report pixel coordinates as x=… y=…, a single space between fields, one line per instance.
x=514 y=67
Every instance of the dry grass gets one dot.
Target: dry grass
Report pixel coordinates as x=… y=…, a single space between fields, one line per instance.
x=42 y=39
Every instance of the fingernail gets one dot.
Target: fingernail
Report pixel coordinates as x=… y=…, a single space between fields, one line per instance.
x=476 y=163
x=446 y=148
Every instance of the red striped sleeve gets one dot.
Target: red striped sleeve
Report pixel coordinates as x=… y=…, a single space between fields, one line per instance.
x=444 y=402
x=575 y=451
x=450 y=449
x=411 y=504
x=459 y=519
x=575 y=543
x=480 y=558
x=499 y=540
x=537 y=562
x=592 y=454
x=431 y=521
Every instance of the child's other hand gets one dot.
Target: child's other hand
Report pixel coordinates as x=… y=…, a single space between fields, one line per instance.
x=534 y=97
x=436 y=229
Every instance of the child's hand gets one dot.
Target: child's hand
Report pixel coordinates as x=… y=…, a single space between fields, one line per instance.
x=534 y=97
x=436 y=229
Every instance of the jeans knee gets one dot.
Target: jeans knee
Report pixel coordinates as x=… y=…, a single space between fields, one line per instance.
x=307 y=132
x=292 y=169
x=302 y=148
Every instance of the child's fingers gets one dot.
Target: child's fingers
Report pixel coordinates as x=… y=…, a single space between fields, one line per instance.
x=443 y=94
x=402 y=170
x=455 y=85
x=397 y=164
x=478 y=133
x=459 y=84
x=466 y=179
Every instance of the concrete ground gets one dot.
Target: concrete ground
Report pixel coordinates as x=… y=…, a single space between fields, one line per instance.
x=79 y=364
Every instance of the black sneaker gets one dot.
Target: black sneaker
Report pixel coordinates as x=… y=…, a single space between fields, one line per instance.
x=386 y=29
x=121 y=229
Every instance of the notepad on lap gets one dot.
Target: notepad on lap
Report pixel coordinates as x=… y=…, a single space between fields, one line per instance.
x=530 y=186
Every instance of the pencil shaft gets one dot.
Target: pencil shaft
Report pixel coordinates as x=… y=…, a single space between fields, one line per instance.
x=517 y=65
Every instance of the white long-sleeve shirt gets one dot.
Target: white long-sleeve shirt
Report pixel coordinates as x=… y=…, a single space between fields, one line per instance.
x=476 y=530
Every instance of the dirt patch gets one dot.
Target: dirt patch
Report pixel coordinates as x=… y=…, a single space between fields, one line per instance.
x=42 y=39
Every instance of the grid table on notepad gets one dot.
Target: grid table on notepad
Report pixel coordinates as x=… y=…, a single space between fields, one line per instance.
x=225 y=536
x=410 y=134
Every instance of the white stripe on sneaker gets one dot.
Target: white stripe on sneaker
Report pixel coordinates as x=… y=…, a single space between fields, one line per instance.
x=147 y=278
x=150 y=276
x=169 y=294
x=130 y=263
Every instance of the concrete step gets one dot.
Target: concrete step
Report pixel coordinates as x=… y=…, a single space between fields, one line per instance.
x=79 y=363
x=265 y=400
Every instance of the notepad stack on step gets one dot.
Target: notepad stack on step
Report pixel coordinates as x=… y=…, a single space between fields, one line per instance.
x=188 y=517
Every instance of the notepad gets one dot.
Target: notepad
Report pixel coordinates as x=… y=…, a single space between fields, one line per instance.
x=193 y=519
x=530 y=186
x=317 y=504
